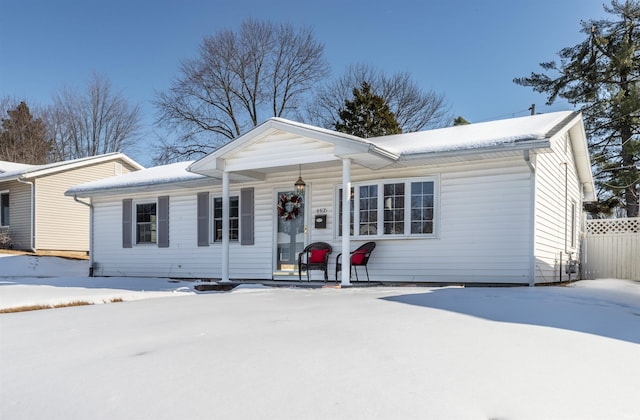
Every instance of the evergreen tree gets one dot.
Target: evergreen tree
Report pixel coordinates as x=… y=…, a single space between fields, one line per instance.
x=459 y=120
x=601 y=76
x=367 y=115
x=22 y=138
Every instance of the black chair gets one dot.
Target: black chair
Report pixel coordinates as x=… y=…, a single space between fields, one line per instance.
x=314 y=257
x=359 y=258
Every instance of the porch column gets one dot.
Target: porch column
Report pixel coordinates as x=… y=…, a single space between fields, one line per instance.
x=225 y=226
x=346 y=206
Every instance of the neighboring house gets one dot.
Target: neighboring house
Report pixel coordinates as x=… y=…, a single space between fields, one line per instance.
x=36 y=213
x=494 y=202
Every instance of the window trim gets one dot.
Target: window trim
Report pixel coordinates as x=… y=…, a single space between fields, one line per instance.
x=7 y=193
x=134 y=222
x=212 y=218
x=380 y=210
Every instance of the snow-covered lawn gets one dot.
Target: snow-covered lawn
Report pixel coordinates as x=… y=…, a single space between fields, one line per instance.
x=360 y=353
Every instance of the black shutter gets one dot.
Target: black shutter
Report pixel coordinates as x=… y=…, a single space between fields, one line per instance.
x=246 y=216
x=163 y=221
x=203 y=219
x=127 y=213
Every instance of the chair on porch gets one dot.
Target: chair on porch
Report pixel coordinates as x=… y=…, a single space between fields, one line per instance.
x=314 y=257
x=359 y=258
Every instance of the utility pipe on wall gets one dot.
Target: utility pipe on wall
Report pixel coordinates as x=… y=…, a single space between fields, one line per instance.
x=532 y=218
x=32 y=216
x=91 y=268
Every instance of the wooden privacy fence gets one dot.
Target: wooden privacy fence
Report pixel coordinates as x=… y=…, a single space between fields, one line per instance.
x=611 y=249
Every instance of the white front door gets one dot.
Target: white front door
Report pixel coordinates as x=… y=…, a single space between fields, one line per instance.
x=290 y=233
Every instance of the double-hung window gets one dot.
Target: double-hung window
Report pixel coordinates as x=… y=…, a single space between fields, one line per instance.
x=395 y=208
x=233 y=219
x=146 y=223
x=4 y=208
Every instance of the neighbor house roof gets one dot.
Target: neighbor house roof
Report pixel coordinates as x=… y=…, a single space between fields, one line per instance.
x=23 y=171
x=12 y=166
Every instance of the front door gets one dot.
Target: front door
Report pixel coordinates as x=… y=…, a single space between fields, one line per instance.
x=290 y=233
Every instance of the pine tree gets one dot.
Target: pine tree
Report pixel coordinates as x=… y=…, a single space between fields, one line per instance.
x=459 y=120
x=22 y=138
x=601 y=76
x=367 y=115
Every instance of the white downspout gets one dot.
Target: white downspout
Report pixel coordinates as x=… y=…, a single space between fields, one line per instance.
x=225 y=227
x=346 y=219
x=532 y=219
x=32 y=245
x=90 y=205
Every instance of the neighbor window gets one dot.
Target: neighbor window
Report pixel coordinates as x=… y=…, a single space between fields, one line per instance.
x=233 y=219
x=146 y=223
x=397 y=208
x=4 y=208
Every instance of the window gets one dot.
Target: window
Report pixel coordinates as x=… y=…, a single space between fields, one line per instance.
x=368 y=205
x=233 y=219
x=421 y=207
x=4 y=208
x=339 y=222
x=573 y=224
x=392 y=208
x=146 y=223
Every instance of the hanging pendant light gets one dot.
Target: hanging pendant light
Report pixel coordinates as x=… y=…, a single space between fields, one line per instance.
x=300 y=185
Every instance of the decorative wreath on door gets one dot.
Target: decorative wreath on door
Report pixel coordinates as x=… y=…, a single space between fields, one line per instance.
x=289 y=206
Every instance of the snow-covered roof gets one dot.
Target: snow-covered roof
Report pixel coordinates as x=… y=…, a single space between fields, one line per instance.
x=529 y=132
x=474 y=136
x=12 y=166
x=157 y=175
x=19 y=170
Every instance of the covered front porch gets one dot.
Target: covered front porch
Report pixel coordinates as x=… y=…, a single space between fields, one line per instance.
x=278 y=149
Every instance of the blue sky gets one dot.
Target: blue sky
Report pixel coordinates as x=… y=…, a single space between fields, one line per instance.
x=468 y=50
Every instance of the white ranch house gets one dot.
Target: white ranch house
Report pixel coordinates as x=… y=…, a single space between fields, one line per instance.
x=494 y=202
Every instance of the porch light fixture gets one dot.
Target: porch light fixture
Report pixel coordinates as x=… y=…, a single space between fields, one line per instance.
x=300 y=185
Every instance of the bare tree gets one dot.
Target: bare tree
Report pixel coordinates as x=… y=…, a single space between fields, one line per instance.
x=93 y=122
x=413 y=108
x=238 y=80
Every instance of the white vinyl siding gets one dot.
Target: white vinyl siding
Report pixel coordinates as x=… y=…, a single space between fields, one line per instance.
x=557 y=228
x=482 y=228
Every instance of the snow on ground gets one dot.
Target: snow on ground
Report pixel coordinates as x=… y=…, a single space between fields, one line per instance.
x=359 y=353
x=37 y=280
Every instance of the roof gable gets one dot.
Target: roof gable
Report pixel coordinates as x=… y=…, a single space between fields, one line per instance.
x=267 y=142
